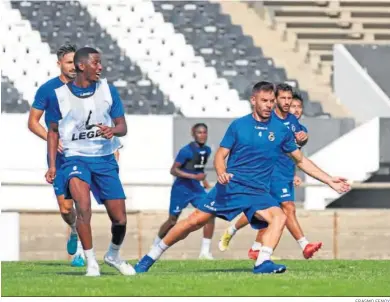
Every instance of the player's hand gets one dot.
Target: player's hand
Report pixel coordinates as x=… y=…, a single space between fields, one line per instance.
x=106 y=131
x=200 y=176
x=339 y=184
x=301 y=136
x=50 y=175
x=224 y=178
x=60 y=148
x=297 y=181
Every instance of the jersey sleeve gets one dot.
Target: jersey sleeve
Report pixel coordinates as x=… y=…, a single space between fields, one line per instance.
x=117 y=106
x=53 y=112
x=303 y=128
x=289 y=145
x=230 y=137
x=209 y=151
x=41 y=99
x=183 y=155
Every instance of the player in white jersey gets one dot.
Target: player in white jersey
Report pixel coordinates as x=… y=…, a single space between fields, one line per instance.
x=87 y=114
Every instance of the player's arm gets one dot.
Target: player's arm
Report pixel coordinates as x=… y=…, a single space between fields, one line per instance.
x=302 y=137
x=178 y=172
x=339 y=184
x=34 y=125
x=120 y=128
x=52 y=146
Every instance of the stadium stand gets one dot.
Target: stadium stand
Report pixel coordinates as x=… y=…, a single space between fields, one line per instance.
x=317 y=25
x=58 y=22
x=375 y=59
x=167 y=59
x=225 y=47
x=11 y=100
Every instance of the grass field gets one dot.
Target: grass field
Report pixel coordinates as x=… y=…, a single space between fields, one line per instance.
x=200 y=278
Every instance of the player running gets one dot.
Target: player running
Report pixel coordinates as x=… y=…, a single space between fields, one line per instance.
x=87 y=114
x=283 y=181
x=189 y=171
x=65 y=56
x=253 y=144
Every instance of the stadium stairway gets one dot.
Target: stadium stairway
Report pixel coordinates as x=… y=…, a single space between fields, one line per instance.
x=223 y=45
x=284 y=54
x=58 y=22
x=164 y=55
x=11 y=99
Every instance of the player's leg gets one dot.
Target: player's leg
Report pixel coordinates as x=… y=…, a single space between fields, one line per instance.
x=165 y=227
x=116 y=210
x=292 y=224
x=180 y=231
x=68 y=214
x=80 y=192
x=227 y=236
x=208 y=231
x=276 y=220
x=109 y=190
x=77 y=178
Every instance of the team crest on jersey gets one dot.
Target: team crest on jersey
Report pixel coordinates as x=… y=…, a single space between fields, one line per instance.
x=293 y=128
x=271 y=136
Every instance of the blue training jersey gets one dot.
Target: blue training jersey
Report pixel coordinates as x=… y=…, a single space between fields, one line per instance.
x=193 y=159
x=254 y=149
x=44 y=94
x=77 y=110
x=285 y=167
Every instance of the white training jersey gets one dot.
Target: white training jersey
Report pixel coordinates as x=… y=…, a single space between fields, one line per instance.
x=79 y=110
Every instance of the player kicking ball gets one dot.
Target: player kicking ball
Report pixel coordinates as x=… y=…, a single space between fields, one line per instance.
x=283 y=179
x=189 y=171
x=252 y=144
x=87 y=114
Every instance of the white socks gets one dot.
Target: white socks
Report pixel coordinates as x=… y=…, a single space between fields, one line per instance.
x=156 y=240
x=264 y=255
x=80 y=250
x=113 y=250
x=157 y=250
x=303 y=242
x=206 y=245
x=256 y=246
x=232 y=230
x=73 y=229
x=90 y=255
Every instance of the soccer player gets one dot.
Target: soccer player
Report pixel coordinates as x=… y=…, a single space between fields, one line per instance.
x=282 y=182
x=253 y=144
x=65 y=56
x=87 y=114
x=189 y=171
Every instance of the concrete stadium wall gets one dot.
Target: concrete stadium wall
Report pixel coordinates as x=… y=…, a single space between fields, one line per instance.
x=360 y=234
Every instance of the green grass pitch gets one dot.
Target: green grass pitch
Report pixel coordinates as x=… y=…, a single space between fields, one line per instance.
x=200 y=278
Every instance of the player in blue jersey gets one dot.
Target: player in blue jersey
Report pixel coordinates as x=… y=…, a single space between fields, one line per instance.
x=188 y=169
x=253 y=144
x=88 y=116
x=283 y=181
x=65 y=56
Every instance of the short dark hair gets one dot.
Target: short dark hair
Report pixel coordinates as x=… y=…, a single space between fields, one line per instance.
x=262 y=86
x=65 y=49
x=283 y=87
x=82 y=54
x=197 y=125
x=297 y=96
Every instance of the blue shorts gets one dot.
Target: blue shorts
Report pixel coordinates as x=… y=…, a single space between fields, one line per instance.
x=58 y=183
x=228 y=206
x=102 y=176
x=181 y=198
x=283 y=191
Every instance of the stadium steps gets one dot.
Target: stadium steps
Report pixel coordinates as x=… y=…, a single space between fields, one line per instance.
x=60 y=22
x=11 y=99
x=283 y=54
